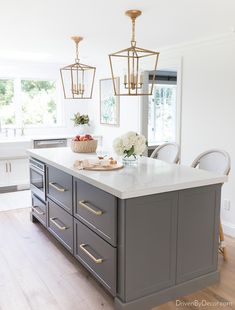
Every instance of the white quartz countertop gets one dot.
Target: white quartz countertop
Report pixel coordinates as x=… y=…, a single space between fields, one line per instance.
x=149 y=176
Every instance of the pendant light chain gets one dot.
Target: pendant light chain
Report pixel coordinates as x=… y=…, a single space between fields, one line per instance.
x=133 y=41
x=77 y=53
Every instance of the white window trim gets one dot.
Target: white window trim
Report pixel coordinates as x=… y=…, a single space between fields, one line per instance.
x=175 y=116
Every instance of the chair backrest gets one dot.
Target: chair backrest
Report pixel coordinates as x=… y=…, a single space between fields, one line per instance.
x=168 y=152
x=213 y=160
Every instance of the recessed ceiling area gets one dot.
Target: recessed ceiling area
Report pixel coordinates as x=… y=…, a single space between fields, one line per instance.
x=43 y=28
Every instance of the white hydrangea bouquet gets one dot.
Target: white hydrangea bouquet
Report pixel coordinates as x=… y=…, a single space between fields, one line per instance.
x=130 y=145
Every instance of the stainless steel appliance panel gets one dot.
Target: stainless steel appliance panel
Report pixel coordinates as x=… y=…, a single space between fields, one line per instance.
x=49 y=143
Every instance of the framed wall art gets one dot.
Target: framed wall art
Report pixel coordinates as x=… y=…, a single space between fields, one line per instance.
x=109 y=103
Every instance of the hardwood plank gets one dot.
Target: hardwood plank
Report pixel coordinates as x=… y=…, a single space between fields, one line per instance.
x=11 y=295
x=37 y=273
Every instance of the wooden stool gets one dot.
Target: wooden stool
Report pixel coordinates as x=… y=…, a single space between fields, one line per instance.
x=222 y=248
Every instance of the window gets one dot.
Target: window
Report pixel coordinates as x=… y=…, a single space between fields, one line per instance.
x=29 y=103
x=162 y=114
x=38 y=102
x=162 y=109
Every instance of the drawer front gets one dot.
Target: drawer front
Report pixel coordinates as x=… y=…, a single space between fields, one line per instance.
x=60 y=224
x=97 y=209
x=96 y=255
x=59 y=188
x=39 y=209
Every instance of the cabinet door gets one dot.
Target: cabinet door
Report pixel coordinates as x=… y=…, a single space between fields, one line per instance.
x=60 y=224
x=198 y=232
x=96 y=255
x=97 y=209
x=147 y=244
x=60 y=188
x=18 y=171
x=3 y=173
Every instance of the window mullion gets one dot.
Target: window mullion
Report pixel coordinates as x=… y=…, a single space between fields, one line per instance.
x=18 y=109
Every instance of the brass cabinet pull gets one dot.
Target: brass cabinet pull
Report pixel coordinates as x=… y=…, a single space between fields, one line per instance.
x=53 y=220
x=38 y=212
x=58 y=188
x=83 y=204
x=96 y=260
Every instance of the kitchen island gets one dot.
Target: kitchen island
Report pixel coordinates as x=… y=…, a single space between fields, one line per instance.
x=148 y=233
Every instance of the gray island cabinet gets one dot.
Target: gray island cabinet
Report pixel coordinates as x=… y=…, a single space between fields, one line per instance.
x=147 y=233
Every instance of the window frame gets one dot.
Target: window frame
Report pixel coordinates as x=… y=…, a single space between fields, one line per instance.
x=13 y=79
x=168 y=85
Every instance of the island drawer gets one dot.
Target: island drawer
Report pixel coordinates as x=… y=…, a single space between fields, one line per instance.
x=39 y=209
x=97 y=209
x=59 y=187
x=96 y=255
x=60 y=224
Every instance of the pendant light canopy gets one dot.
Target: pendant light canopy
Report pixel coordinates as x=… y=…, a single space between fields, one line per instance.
x=77 y=79
x=133 y=61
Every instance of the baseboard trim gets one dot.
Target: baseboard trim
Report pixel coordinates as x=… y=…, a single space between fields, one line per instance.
x=8 y=189
x=14 y=188
x=229 y=229
x=169 y=294
x=23 y=187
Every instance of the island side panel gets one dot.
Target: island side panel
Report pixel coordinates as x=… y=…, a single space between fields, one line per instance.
x=152 y=250
x=198 y=231
x=147 y=245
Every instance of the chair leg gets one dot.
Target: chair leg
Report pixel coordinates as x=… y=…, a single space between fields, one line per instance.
x=222 y=248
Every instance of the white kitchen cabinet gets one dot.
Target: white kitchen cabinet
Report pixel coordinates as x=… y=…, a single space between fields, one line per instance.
x=19 y=171
x=14 y=172
x=3 y=173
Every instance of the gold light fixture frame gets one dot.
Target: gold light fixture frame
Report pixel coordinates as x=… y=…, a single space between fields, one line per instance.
x=77 y=87
x=133 y=82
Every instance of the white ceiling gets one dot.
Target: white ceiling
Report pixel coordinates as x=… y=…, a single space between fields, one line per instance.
x=42 y=28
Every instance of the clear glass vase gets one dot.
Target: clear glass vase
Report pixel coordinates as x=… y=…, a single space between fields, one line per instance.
x=130 y=160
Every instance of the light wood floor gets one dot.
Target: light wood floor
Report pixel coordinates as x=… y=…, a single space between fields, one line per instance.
x=36 y=272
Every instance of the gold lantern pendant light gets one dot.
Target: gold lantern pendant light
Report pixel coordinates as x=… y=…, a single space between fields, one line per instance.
x=133 y=60
x=77 y=79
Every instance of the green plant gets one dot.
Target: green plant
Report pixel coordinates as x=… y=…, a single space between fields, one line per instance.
x=80 y=119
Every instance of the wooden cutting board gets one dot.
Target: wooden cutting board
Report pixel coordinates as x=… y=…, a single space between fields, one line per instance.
x=98 y=167
x=102 y=168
